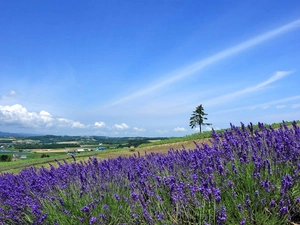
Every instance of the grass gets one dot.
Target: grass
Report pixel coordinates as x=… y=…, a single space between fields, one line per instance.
x=192 y=137
x=34 y=159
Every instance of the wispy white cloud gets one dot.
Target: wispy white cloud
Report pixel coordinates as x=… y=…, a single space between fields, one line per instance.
x=76 y=124
x=162 y=131
x=277 y=116
x=12 y=93
x=280 y=106
x=196 y=67
x=99 y=124
x=208 y=128
x=17 y=114
x=229 y=97
x=121 y=126
x=263 y=105
x=296 y=106
x=139 y=129
x=180 y=129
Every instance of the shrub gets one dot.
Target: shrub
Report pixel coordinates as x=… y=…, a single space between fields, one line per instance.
x=44 y=155
x=5 y=158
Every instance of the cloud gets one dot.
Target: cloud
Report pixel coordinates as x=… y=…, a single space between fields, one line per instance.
x=99 y=124
x=17 y=114
x=277 y=76
x=208 y=128
x=179 y=129
x=46 y=118
x=196 y=67
x=162 y=131
x=267 y=104
x=296 y=106
x=121 y=126
x=280 y=106
x=12 y=93
x=139 y=129
x=229 y=97
x=76 y=124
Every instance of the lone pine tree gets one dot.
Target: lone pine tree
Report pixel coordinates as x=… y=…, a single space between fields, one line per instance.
x=198 y=118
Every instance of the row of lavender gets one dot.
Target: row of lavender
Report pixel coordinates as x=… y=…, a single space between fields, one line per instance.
x=245 y=176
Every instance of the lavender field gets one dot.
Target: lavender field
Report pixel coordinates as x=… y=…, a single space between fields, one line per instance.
x=244 y=176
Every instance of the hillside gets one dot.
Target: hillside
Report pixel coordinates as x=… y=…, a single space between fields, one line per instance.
x=163 y=148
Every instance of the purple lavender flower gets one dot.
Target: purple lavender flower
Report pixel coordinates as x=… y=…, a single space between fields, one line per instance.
x=247 y=196
x=92 y=220
x=230 y=184
x=80 y=194
x=243 y=221
x=217 y=194
x=43 y=217
x=221 y=169
x=135 y=216
x=247 y=202
x=134 y=196
x=102 y=216
x=61 y=201
x=117 y=197
x=256 y=193
x=234 y=169
x=160 y=216
x=147 y=216
x=286 y=183
x=105 y=207
x=85 y=209
x=240 y=207
x=66 y=211
x=283 y=211
x=272 y=203
x=221 y=216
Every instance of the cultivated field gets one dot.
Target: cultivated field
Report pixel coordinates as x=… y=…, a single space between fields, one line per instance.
x=60 y=154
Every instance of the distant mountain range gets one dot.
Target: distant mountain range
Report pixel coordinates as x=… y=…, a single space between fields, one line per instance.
x=8 y=134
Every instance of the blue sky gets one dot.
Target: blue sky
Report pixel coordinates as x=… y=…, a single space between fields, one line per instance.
x=140 y=68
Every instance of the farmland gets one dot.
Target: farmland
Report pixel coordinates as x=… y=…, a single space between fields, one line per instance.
x=42 y=150
x=245 y=175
